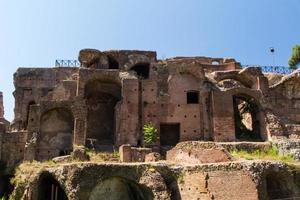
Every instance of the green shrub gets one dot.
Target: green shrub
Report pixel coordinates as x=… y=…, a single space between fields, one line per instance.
x=271 y=154
x=150 y=133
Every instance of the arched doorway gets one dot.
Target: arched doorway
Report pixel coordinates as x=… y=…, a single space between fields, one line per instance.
x=247 y=118
x=101 y=98
x=278 y=187
x=118 y=188
x=50 y=189
x=56 y=134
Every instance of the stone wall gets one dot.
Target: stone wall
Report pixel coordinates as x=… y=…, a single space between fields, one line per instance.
x=13 y=147
x=225 y=181
x=185 y=98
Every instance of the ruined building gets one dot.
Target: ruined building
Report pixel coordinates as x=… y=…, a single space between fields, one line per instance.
x=105 y=103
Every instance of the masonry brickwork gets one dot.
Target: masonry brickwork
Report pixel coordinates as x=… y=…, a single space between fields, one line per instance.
x=104 y=104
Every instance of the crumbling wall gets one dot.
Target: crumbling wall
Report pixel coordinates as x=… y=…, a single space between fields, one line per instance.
x=12 y=148
x=32 y=85
x=226 y=181
x=196 y=152
x=284 y=102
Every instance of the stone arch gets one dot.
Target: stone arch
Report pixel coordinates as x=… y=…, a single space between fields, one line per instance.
x=119 y=188
x=142 y=70
x=215 y=62
x=248 y=117
x=236 y=78
x=56 y=133
x=49 y=188
x=231 y=83
x=101 y=99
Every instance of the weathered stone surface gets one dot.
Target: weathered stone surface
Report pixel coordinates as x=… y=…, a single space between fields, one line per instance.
x=62 y=159
x=133 y=154
x=152 y=157
x=226 y=181
x=289 y=147
x=104 y=104
x=79 y=153
x=197 y=153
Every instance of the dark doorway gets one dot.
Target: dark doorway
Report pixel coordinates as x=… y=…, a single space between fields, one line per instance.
x=101 y=99
x=169 y=134
x=112 y=63
x=142 y=70
x=6 y=187
x=50 y=189
x=192 y=97
x=278 y=187
x=246 y=117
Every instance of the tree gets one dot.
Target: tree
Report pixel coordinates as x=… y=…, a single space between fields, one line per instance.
x=295 y=57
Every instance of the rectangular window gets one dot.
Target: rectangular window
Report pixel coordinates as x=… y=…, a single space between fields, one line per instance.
x=192 y=97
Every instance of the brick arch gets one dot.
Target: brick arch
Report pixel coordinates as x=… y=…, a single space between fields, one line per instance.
x=120 y=188
x=86 y=76
x=48 y=188
x=101 y=98
x=137 y=59
x=252 y=97
x=56 y=133
x=240 y=79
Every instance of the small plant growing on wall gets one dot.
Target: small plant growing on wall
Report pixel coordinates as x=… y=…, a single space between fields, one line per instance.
x=150 y=133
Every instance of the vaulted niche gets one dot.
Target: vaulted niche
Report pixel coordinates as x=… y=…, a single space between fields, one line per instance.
x=50 y=189
x=246 y=117
x=101 y=98
x=142 y=70
x=112 y=63
x=56 y=134
x=278 y=187
x=118 y=188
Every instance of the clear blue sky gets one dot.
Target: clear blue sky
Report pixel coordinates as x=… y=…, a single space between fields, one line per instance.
x=34 y=33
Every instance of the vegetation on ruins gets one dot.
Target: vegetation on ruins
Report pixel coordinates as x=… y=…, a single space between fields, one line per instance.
x=270 y=154
x=150 y=133
x=295 y=57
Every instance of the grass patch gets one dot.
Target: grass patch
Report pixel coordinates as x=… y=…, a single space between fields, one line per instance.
x=103 y=156
x=271 y=154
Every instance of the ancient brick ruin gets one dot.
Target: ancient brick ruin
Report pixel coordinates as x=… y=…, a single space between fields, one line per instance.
x=104 y=103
